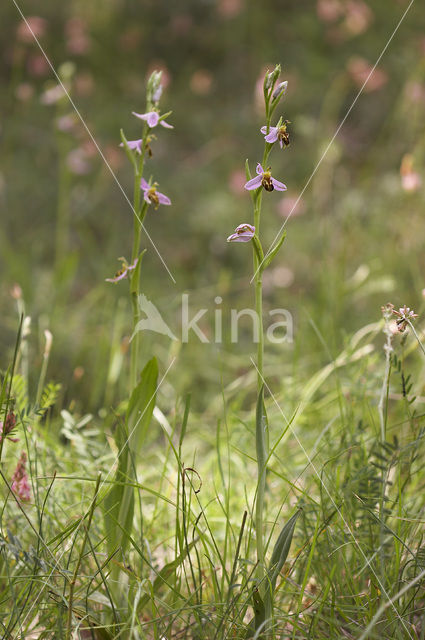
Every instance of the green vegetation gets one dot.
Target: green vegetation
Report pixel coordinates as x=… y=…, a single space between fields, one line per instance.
x=157 y=487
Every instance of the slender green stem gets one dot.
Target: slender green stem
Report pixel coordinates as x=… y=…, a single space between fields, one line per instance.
x=261 y=443
x=259 y=310
x=139 y=215
x=43 y=371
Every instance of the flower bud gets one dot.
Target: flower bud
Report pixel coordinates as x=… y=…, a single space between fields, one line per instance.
x=280 y=90
x=275 y=74
x=154 y=88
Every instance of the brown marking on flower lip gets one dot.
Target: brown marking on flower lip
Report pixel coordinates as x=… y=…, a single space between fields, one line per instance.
x=120 y=272
x=266 y=182
x=283 y=134
x=153 y=197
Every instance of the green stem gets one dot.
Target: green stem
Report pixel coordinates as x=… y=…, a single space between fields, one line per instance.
x=139 y=216
x=261 y=445
x=259 y=310
x=42 y=378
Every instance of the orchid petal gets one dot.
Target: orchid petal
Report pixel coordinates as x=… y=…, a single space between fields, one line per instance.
x=236 y=237
x=163 y=199
x=254 y=183
x=143 y=184
x=259 y=169
x=141 y=116
x=133 y=266
x=245 y=227
x=118 y=278
x=279 y=186
x=166 y=125
x=135 y=145
x=243 y=233
x=263 y=129
x=272 y=136
x=151 y=117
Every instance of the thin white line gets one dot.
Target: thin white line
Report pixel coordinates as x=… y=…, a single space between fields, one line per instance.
x=311 y=463
x=92 y=138
x=45 y=582
x=273 y=244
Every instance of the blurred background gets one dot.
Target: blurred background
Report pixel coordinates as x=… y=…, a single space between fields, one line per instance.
x=355 y=238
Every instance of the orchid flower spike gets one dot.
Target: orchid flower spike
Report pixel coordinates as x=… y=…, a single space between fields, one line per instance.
x=151 y=195
x=152 y=118
x=124 y=271
x=264 y=179
x=243 y=233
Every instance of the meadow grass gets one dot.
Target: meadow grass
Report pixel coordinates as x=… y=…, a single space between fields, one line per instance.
x=356 y=563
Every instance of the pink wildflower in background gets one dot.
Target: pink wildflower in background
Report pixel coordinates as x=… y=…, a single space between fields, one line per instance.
x=201 y=82
x=329 y=10
x=361 y=71
x=358 y=17
x=8 y=426
x=32 y=26
x=405 y=316
x=20 y=482
x=410 y=179
x=77 y=39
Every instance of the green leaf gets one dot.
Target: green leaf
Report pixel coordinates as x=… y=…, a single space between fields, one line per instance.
x=281 y=549
x=50 y=395
x=271 y=254
x=130 y=155
x=141 y=406
x=247 y=170
x=259 y=609
x=119 y=501
x=184 y=423
x=119 y=495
